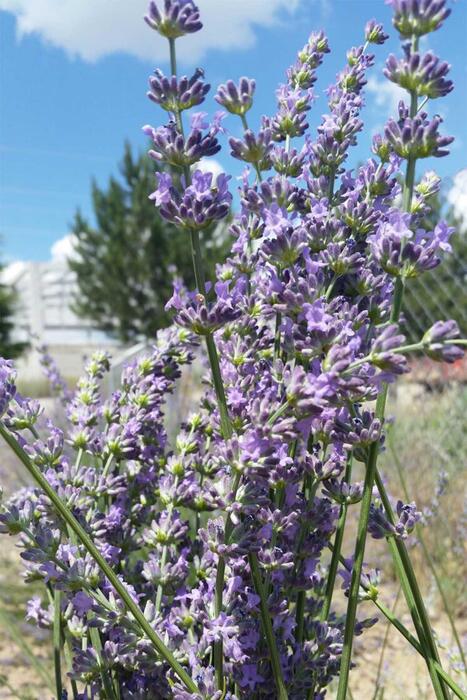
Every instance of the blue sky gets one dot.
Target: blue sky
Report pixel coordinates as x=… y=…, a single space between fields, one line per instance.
x=72 y=89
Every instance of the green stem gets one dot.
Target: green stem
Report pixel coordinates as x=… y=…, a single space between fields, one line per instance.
x=57 y=642
x=429 y=559
x=425 y=635
x=301 y=597
x=68 y=650
x=371 y=472
x=331 y=578
x=413 y=606
x=225 y=423
x=404 y=349
x=357 y=571
x=409 y=637
x=219 y=591
x=86 y=541
x=383 y=648
x=104 y=672
x=256 y=163
x=267 y=627
x=173 y=57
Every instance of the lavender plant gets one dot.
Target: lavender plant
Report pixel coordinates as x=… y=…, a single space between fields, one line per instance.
x=206 y=567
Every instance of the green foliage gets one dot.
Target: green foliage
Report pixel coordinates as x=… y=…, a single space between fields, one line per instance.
x=126 y=264
x=441 y=293
x=8 y=348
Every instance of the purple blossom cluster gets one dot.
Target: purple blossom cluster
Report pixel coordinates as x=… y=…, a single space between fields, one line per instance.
x=222 y=535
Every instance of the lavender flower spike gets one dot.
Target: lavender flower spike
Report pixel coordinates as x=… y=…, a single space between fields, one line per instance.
x=175 y=95
x=177 y=18
x=433 y=344
x=421 y=74
x=237 y=99
x=374 y=33
x=418 y=17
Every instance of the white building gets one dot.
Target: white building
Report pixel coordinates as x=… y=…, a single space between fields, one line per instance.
x=44 y=315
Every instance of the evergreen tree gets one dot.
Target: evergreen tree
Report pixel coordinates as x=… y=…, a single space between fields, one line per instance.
x=8 y=348
x=125 y=265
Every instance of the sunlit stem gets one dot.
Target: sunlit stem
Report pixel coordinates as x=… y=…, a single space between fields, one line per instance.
x=411 y=590
x=340 y=529
x=57 y=642
x=267 y=628
x=225 y=423
x=429 y=559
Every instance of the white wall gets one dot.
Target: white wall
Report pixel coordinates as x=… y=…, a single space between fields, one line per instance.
x=43 y=315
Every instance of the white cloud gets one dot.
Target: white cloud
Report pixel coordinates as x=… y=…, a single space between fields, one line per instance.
x=11 y=272
x=64 y=248
x=457 y=195
x=209 y=165
x=91 y=29
x=386 y=94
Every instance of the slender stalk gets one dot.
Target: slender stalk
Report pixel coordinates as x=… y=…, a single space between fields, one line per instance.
x=86 y=541
x=220 y=574
x=425 y=634
x=331 y=579
x=402 y=556
x=163 y=560
x=225 y=423
x=104 y=672
x=267 y=627
x=410 y=638
x=57 y=642
x=301 y=597
x=356 y=573
x=173 y=57
x=198 y=268
x=383 y=647
x=429 y=559
x=68 y=650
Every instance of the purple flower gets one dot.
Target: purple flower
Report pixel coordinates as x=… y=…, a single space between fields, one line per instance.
x=434 y=342
x=418 y=17
x=417 y=137
x=420 y=74
x=249 y=677
x=300 y=338
x=200 y=204
x=177 y=94
x=237 y=99
x=374 y=32
x=380 y=527
x=173 y=148
x=7 y=384
x=177 y=18
x=193 y=311
x=303 y=73
x=253 y=148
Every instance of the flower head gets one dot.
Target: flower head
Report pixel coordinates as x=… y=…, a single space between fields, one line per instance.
x=374 y=32
x=422 y=74
x=177 y=94
x=174 y=19
x=418 y=17
x=236 y=98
